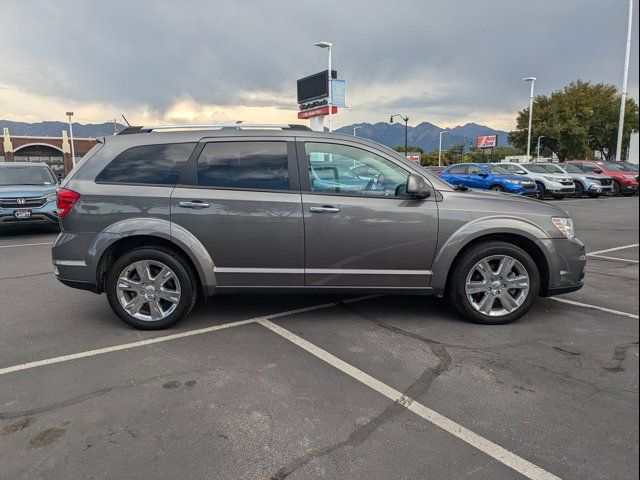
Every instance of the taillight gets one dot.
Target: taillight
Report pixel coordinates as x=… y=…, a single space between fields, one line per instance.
x=65 y=200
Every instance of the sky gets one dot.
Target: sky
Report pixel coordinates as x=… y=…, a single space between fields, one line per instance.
x=447 y=62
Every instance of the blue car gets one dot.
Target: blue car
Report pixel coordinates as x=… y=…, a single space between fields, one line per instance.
x=489 y=176
x=27 y=194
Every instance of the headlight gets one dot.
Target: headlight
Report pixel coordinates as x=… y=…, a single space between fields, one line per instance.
x=565 y=225
x=51 y=197
x=517 y=182
x=552 y=179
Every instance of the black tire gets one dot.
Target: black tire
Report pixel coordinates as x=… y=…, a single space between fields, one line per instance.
x=496 y=188
x=579 y=190
x=617 y=188
x=183 y=272
x=594 y=195
x=466 y=262
x=542 y=191
x=558 y=197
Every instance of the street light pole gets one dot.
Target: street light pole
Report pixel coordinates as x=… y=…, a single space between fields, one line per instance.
x=623 y=98
x=442 y=132
x=328 y=46
x=354 y=131
x=73 y=150
x=405 y=119
x=531 y=80
x=538 y=147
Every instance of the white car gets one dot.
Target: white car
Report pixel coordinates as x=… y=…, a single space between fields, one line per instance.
x=556 y=185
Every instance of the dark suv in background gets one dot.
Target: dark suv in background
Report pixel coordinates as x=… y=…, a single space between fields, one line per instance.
x=157 y=216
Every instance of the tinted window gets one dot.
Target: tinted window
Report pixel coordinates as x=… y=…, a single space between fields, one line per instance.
x=569 y=168
x=474 y=170
x=497 y=169
x=148 y=164
x=458 y=170
x=253 y=165
x=353 y=171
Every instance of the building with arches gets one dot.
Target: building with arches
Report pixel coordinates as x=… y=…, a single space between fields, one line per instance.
x=54 y=151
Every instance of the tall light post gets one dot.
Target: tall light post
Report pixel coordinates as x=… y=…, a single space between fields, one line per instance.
x=354 y=131
x=538 y=147
x=73 y=150
x=531 y=80
x=405 y=119
x=328 y=46
x=623 y=99
x=442 y=132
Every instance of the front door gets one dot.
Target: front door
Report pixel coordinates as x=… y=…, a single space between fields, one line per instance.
x=361 y=229
x=240 y=198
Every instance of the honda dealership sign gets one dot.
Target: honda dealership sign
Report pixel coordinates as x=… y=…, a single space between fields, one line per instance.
x=487 y=141
x=313 y=94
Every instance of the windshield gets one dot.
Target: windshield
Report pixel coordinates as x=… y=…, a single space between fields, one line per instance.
x=537 y=169
x=632 y=167
x=27 y=175
x=571 y=168
x=497 y=169
x=550 y=168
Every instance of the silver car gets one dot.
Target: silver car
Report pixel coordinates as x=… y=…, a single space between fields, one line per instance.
x=156 y=217
x=591 y=185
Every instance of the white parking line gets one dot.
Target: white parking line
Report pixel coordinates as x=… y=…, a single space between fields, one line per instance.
x=615 y=249
x=595 y=307
x=167 y=338
x=25 y=245
x=495 y=451
x=617 y=259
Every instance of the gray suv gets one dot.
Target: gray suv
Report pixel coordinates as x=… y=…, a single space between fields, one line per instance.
x=156 y=217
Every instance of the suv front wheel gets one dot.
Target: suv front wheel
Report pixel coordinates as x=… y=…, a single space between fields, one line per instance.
x=151 y=288
x=494 y=283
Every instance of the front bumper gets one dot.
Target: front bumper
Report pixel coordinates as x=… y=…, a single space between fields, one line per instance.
x=560 y=189
x=46 y=214
x=567 y=260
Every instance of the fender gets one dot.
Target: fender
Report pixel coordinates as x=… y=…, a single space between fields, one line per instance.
x=468 y=232
x=156 y=227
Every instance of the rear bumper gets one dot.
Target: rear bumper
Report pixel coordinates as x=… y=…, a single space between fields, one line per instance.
x=567 y=260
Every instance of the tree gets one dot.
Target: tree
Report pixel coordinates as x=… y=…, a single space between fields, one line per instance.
x=410 y=148
x=576 y=121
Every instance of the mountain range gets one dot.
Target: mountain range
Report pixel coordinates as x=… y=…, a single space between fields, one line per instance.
x=425 y=135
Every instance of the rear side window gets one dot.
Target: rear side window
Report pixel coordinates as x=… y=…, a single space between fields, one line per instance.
x=148 y=164
x=459 y=170
x=250 y=165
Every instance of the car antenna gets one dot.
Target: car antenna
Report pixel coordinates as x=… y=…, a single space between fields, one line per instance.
x=126 y=121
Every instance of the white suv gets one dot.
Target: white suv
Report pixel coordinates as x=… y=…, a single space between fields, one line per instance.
x=549 y=184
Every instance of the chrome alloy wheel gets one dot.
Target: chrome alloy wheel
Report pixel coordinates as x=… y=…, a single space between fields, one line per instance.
x=148 y=290
x=497 y=285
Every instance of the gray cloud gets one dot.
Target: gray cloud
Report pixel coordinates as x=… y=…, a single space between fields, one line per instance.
x=454 y=56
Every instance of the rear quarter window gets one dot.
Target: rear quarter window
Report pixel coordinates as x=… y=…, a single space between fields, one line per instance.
x=148 y=164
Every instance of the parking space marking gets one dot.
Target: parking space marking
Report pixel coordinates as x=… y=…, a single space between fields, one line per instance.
x=487 y=447
x=175 y=336
x=595 y=307
x=615 y=249
x=616 y=259
x=25 y=245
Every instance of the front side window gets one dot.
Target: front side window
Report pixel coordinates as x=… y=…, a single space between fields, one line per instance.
x=244 y=165
x=148 y=164
x=497 y=169
x=474 y=170
x=349 y=170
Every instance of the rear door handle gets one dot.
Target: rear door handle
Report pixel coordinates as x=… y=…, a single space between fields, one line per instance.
x=193 y=204
x=324 y=209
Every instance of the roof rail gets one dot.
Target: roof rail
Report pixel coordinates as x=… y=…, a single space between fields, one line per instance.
x=234 y=126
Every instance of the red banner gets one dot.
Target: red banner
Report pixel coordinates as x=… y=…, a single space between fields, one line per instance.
x=316 y=112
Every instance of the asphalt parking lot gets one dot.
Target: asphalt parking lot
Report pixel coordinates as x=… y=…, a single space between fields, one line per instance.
x=305 y=387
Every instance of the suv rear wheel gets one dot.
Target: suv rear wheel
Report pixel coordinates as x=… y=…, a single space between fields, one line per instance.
x=494 y=283
x=151 y=288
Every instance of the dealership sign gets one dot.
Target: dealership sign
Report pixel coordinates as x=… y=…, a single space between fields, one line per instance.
x=316 y=112
x=313 y=94
x=487 y=141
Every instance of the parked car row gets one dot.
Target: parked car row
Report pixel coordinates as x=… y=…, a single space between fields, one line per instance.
x=542 y=180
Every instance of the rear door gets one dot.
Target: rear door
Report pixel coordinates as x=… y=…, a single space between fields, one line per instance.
x=240 y=198
x=366 y=232
x=474 y=179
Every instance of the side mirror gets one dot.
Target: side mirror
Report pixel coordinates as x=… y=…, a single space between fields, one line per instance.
x=597 y=171
x=418 y=186
x=482 y=174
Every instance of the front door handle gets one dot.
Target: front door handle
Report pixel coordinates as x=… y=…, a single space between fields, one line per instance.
x=324 y=209
x=193 y=204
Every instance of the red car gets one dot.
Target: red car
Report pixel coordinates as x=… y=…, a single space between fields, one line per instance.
x=624 y=181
